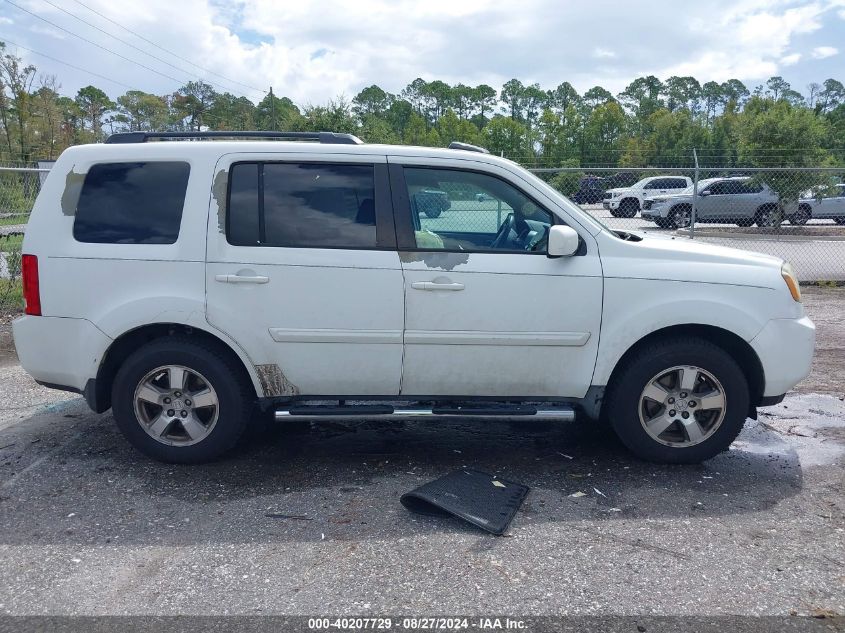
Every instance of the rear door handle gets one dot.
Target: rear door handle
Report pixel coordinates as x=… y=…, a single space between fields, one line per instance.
x=431 y=285
x=242 y=279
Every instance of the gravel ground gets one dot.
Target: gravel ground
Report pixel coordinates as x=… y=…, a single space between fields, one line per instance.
x=88 y=526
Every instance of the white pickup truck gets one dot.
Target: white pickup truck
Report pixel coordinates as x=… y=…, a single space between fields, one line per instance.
x=626 y=202
x=188 y=284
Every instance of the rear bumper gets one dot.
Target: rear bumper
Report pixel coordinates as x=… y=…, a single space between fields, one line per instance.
x=785 y=348
x=59 y=352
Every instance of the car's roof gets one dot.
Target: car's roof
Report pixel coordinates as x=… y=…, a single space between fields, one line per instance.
x=214 y=148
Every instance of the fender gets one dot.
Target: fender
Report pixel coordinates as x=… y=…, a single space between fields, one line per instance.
x=662 y=304
x=180 y=310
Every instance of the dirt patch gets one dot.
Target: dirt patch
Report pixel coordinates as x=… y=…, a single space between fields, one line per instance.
x=826 y=307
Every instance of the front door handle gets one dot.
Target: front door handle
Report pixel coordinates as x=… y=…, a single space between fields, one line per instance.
x=433 y=285
x=242 y=279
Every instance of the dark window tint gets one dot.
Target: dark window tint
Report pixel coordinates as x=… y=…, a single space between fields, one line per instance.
x=131 y=203
x=654 y=184
x=676 y=183
x=302 y=205
x=243 y=205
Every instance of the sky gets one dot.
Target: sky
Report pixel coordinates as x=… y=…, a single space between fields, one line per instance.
x=314 y=50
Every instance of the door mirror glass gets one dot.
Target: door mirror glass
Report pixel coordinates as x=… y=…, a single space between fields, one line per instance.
x=563 y=241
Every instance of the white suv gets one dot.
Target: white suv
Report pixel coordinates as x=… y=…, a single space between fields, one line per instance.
x=190 y=285
x=625 y=202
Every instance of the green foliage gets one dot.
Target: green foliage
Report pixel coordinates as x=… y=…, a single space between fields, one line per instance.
x=11 y=295
x=797 y=134
x=567 y=182
x=651 y=122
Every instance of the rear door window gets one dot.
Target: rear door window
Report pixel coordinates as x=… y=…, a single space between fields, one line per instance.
x=131 y=203
x=302 y=205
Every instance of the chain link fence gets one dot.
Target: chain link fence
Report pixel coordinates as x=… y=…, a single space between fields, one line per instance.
x=797 y=214
x=19 y=186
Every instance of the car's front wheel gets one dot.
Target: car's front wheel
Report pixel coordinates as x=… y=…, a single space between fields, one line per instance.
x=800 y=217
x=680 y=217
x=179 y=400
x=629 y=207
x=681 y=400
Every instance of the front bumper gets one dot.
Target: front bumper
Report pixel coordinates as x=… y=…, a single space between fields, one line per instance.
x=655 y=212
x=785 y=348
x=610 y=203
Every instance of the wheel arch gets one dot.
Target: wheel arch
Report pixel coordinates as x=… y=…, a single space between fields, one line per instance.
x=733 y=344
x=98 y=395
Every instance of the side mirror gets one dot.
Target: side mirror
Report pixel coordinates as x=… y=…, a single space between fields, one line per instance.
x=563 y=241
x=706 y=192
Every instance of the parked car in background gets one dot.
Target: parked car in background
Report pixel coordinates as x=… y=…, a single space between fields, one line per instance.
x=626 y=202
x=825 y=204
x=590 y=190
x=432 y=202
x=737 y=200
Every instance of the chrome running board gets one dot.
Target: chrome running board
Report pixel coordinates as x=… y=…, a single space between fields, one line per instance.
x=388 y=412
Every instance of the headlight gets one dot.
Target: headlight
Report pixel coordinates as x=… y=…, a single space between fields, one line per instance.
x=791 y=280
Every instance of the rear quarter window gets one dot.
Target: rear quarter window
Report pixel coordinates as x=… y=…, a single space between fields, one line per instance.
x=131 y=203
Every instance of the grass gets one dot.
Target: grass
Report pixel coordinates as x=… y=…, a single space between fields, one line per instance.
x=11 y=297
x=11 y=242
x=14 y=219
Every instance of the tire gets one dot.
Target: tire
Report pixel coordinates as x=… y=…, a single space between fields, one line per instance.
x=801 y=217
x=433 y=211
x=680 y=217
x=839 y=221
x=744 y=223
x=628 y=408
x=765 y=217
x=152 y=373
x=629 y=208
x=663 y=223
x=615 y=212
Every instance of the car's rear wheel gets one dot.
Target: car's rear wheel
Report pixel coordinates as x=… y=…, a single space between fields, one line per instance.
x=744 y=223
x=628 y=208
x=433 y=211
x=682 y=400
x=178 y=400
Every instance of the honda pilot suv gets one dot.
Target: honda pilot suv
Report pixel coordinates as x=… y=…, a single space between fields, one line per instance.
x=193 y=285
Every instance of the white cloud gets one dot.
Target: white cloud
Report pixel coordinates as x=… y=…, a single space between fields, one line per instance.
x=820 y=52
x=313 y=50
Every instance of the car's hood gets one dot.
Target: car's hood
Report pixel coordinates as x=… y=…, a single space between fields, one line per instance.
x=682 y=259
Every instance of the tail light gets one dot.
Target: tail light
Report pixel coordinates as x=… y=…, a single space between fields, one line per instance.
x=31 y=292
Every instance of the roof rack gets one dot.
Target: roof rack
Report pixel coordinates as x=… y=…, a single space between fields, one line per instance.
x=332 y=138
x=467 y=147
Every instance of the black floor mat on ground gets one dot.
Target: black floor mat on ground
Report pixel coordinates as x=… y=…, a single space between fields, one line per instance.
x=483 y=499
